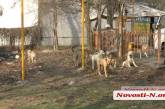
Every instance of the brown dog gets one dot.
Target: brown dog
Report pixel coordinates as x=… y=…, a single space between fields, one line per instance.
x=105 y=62
x=143 y=48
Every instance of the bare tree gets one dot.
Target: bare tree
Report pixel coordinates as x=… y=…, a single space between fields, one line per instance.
x=112 y=7
x=98 y=5
x=55 y=39
x=88 y=23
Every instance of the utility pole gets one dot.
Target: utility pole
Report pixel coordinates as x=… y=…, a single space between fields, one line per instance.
x=83 y=34
x=22 y=42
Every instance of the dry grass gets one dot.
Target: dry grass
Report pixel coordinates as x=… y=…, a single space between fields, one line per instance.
x=53 y=83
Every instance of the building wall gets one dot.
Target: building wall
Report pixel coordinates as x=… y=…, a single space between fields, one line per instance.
x=68 y=25
x=69 y=29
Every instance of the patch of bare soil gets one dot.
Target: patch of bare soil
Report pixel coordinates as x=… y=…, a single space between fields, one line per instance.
x=50 y=64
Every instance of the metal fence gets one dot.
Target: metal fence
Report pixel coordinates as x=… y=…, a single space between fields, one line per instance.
x=9 y=41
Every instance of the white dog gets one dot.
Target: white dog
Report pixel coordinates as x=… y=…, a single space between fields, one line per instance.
x=95 y=57
x=31 y=56
x=130 y=60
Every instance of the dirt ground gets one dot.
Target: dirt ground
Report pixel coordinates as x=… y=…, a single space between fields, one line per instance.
x=54 y=83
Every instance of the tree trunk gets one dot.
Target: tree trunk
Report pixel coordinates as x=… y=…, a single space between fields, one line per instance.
x=55 y=39
x=88 y=25
x=121 y=32
x=39 y=24
x=99 y=24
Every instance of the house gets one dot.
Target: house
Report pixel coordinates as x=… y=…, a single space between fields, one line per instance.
x=137 y=17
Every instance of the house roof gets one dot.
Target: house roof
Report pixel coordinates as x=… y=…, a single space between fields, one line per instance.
x=140 y=10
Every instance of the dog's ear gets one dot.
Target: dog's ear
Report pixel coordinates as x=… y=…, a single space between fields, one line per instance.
x=108 y=60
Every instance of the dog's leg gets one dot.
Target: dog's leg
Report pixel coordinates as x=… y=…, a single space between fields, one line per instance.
x=93 y=63
x=114 y=64
x=129 y=64
x=105 y=71
x=29 y=60
x=32 y=60
x=75 y=59
x=111 y=67
x=146 y=54
x=78 y=60
x=35 y=60
x=76 y=63
x=140 y=54
x=123 y=64
x=134 y=64
x=98 y=67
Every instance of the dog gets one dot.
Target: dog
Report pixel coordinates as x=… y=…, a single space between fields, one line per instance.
x=31 y=56
x=17 y=56
x=113 y=63
x=76 y=55
x=130 y=60
x=95 y=57
x=143 y=48
x=105 y=62
x=77 y=52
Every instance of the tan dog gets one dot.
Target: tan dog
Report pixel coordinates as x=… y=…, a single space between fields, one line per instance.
x=143 y=48
x=31 y=56
x=105 y=62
